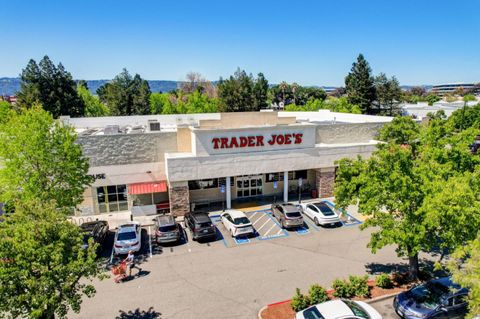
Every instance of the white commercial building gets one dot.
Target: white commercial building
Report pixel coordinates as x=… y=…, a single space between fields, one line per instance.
x=179 y=163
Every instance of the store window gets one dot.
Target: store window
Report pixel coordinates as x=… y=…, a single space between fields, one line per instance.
x=112 y=198
x=223 y=181
x=203 y=184
x=301 y=174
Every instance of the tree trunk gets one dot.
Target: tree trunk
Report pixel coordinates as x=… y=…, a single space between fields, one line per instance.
x=413 y=267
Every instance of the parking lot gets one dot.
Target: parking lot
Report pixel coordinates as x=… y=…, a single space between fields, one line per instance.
x=265 y=224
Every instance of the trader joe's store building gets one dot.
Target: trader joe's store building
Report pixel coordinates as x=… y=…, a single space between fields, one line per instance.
x=179 y=163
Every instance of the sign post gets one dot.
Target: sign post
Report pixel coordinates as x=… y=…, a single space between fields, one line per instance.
x=222 y=190
x=275 y=184
x=300 y=182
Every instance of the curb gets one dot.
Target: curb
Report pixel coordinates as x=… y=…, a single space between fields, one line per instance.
x=373 y=300
x=260 y=312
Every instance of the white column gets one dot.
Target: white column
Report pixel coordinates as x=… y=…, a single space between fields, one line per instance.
x=285 y=186
x=228 y=191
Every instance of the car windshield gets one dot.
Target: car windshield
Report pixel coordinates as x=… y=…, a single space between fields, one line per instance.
x=293 y=214
x=327 y=211
x=127 y=235
x=167 y=228
x=356 y=309
x=241 y=221
x=428 y=295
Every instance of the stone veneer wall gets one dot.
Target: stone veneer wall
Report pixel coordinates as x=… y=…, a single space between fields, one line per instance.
x=325 y=181
x=347 y=132
x=179 y=200
x=122 y=149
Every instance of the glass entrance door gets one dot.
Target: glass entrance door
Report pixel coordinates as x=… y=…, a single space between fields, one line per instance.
x=249 y=185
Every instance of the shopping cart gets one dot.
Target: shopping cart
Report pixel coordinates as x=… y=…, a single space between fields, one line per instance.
x=119 y=271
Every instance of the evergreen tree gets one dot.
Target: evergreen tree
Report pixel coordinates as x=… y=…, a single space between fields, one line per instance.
x=359 y=84
x=51 y=86
x=126 y=95
x=260 y=91
x=389 y=95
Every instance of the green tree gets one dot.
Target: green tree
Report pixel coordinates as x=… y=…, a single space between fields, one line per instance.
x=242 y=93
x=432 y=98
x=260 y=92
x=51 y=86
x=158 y=102
x=359 y=84
x=44 y=270
x=126 y=95
x=6 y=111
x=93 y=106
x=41 y=159
x=465 y=267
x=405 y=181
x=389 y=95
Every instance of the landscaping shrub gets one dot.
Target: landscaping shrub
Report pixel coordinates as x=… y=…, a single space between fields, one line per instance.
x=317 y=294
x=299 y=301
x=355 y=286
x=343 y=289
x=359 y=285
x=383 y=281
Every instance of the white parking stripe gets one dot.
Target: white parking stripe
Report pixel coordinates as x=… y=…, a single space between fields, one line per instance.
x=150 y=240
x=258 y=230
x=253 y=215
x=270 y=229
x=259 y=219
x=279 y=232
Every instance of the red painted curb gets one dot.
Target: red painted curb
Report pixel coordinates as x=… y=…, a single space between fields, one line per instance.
x=279 y=303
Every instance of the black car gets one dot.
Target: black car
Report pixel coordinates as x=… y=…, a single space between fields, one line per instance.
x=438 y=298
x=200 y=226
x=97 y=230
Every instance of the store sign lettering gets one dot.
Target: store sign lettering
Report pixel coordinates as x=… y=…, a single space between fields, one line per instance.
x=256 y=140
x=99 y=176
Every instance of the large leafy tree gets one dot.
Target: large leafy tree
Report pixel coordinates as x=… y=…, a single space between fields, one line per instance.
x=417 y=189
x=43 y=270
x=126 y=95
x=51 y=86
x=40 y=160
x=359 y=84
x=93 y=106
x=465 y=267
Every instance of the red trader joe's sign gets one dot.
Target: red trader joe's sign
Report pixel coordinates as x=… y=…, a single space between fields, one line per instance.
x=256 y=140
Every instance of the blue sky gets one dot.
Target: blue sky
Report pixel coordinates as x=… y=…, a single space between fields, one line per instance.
x=308 y=42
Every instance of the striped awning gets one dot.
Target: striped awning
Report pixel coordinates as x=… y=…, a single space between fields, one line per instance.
x=147 y=188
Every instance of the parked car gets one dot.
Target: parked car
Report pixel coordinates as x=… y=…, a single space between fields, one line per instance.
x=339 y=308
x=200 y=226
x=128 y=237
x=167 y=230
x=288 y=215
x=97 y=230
x=320 y=212
x=237 y=223
x=437 y=298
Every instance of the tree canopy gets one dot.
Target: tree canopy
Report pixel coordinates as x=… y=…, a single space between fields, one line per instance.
x=93 y=106
x=242 y=92
x=51 y=86
x=43 y=266
x=41 y=160
x=388 y=95
x=419 y=189
x=126 y=95
x=359 y=85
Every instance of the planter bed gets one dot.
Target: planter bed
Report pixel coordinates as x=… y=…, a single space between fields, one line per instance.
x=283 y=309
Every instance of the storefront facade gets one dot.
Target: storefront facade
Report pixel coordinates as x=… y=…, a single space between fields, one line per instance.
x=197 y=161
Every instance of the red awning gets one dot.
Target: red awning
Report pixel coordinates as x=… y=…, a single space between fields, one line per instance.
x=147 y=188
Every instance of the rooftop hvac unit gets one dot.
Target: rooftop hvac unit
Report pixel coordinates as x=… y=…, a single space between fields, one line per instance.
x=111 y=130
x=153 y=126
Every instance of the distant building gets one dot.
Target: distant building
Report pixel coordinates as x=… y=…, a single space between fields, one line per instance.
x=12 y=99
x=421 y=109
x=450 y=88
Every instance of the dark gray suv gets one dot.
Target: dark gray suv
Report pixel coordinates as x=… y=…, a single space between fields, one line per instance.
x=288 y=215
x=200 y=226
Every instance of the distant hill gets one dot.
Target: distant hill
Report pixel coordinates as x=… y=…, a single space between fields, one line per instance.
x=8 y=86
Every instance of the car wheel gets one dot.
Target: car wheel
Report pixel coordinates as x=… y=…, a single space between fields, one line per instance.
x=316 y=221
x=282 y=225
